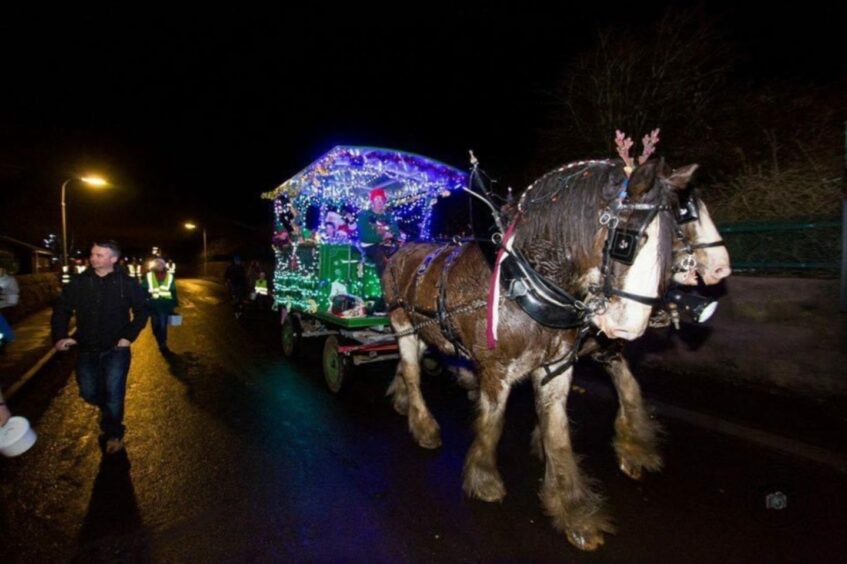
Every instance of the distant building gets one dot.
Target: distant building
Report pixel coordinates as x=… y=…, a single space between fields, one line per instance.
x=26 y=258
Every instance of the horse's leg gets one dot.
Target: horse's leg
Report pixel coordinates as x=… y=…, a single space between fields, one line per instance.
x=481 y=478
x=407 y=394
x=635 y=432
x=398 y=393
x=536 y=445
x=576 y=508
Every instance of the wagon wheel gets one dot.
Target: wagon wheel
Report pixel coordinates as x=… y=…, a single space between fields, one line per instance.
x=291 y=337
x=336 y=365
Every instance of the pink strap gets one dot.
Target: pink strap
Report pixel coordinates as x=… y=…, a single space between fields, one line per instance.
x=493 y=313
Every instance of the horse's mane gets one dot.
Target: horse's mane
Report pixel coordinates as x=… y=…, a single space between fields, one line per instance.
x=558 y=228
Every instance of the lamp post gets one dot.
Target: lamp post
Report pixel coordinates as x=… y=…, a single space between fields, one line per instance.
x=91 y=181
x=191 y=227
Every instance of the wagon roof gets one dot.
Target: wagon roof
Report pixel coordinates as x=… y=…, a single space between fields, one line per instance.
x=350 y=172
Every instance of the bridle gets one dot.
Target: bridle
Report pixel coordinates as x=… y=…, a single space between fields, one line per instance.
x=688 y=211
x=551 y=305
x=622 y=245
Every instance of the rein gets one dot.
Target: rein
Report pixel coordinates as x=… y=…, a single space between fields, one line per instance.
x=688 y=261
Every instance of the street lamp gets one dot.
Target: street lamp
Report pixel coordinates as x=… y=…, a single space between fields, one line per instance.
x=191 y=227
x=95 y=181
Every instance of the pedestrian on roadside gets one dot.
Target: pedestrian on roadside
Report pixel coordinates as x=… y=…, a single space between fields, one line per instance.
x=160 y=283
x=9 y=297
x=253 y=273
x=102 y=299
x=261 y=292
x=236 y=280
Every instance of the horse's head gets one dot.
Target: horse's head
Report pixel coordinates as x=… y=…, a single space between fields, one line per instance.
x=635 y=250
x=603 y=236
x=698 y=249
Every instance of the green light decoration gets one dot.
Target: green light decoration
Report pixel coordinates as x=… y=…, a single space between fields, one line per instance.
x=309 y=267
x=305 y=274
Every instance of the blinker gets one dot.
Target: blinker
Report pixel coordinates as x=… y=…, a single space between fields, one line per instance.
x=624 y=243
x=687 y=210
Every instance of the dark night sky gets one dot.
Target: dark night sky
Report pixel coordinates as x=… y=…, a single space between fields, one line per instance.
x=195 y=114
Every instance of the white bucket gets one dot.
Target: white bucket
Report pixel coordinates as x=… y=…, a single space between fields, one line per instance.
x=16 y=437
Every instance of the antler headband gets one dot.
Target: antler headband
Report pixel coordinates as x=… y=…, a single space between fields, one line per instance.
x=624 y=144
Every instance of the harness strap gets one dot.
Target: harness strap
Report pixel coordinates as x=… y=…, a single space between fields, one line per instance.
x=689 y=262
x=718 y=243
x=461 y=310
x=444 y=319
x=424 y=267
x=442 y=315
x=611 y=225
x=411 y=307
x=652 y=302
x=570 y=358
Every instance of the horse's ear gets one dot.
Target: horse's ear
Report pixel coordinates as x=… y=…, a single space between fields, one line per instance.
x=642 y=179
x=616 y=183
x=680 y=177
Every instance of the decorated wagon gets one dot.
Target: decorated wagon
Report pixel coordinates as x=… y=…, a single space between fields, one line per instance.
x=325 y=283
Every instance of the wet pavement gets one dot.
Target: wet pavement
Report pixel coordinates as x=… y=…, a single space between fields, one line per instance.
x=235 y=454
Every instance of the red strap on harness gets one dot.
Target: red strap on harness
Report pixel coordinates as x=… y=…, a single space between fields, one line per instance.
x=493 y=316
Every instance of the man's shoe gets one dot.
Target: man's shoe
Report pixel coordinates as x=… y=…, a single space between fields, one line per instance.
x=114 y=445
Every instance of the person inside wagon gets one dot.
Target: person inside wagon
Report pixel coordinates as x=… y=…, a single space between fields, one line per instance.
x=377 y=229
x=332 y=233
x=348 y=225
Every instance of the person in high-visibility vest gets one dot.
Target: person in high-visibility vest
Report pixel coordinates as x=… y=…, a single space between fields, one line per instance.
x=260 y=289
x=161 y=286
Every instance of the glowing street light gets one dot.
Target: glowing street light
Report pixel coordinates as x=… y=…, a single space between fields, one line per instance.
x=191 y=227
x=95 y=181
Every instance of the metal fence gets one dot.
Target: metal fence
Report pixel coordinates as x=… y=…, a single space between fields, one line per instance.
x=789 y=246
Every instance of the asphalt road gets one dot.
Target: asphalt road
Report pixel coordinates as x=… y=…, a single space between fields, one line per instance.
x=235 y=454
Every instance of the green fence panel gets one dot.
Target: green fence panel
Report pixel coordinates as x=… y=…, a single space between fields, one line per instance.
x=797 y=245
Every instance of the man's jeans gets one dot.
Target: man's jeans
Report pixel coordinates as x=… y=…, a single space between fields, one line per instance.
x=101 y=376
x=159 y=321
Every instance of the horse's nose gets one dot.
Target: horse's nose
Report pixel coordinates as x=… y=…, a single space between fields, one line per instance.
x=687 y=278
x=624 y=334
x=624 y=323
x=721 y=271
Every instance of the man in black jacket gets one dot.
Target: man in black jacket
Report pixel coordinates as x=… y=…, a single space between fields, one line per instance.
x=102 y=298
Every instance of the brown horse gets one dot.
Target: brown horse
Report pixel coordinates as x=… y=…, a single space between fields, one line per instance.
x=567 y=226
x=698 y=251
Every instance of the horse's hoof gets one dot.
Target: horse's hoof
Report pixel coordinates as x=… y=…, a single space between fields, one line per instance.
x=430 y=439
x=632 y=470
x=430 y=442
x=484 y=486
x=637 y=458
x=585 y=540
